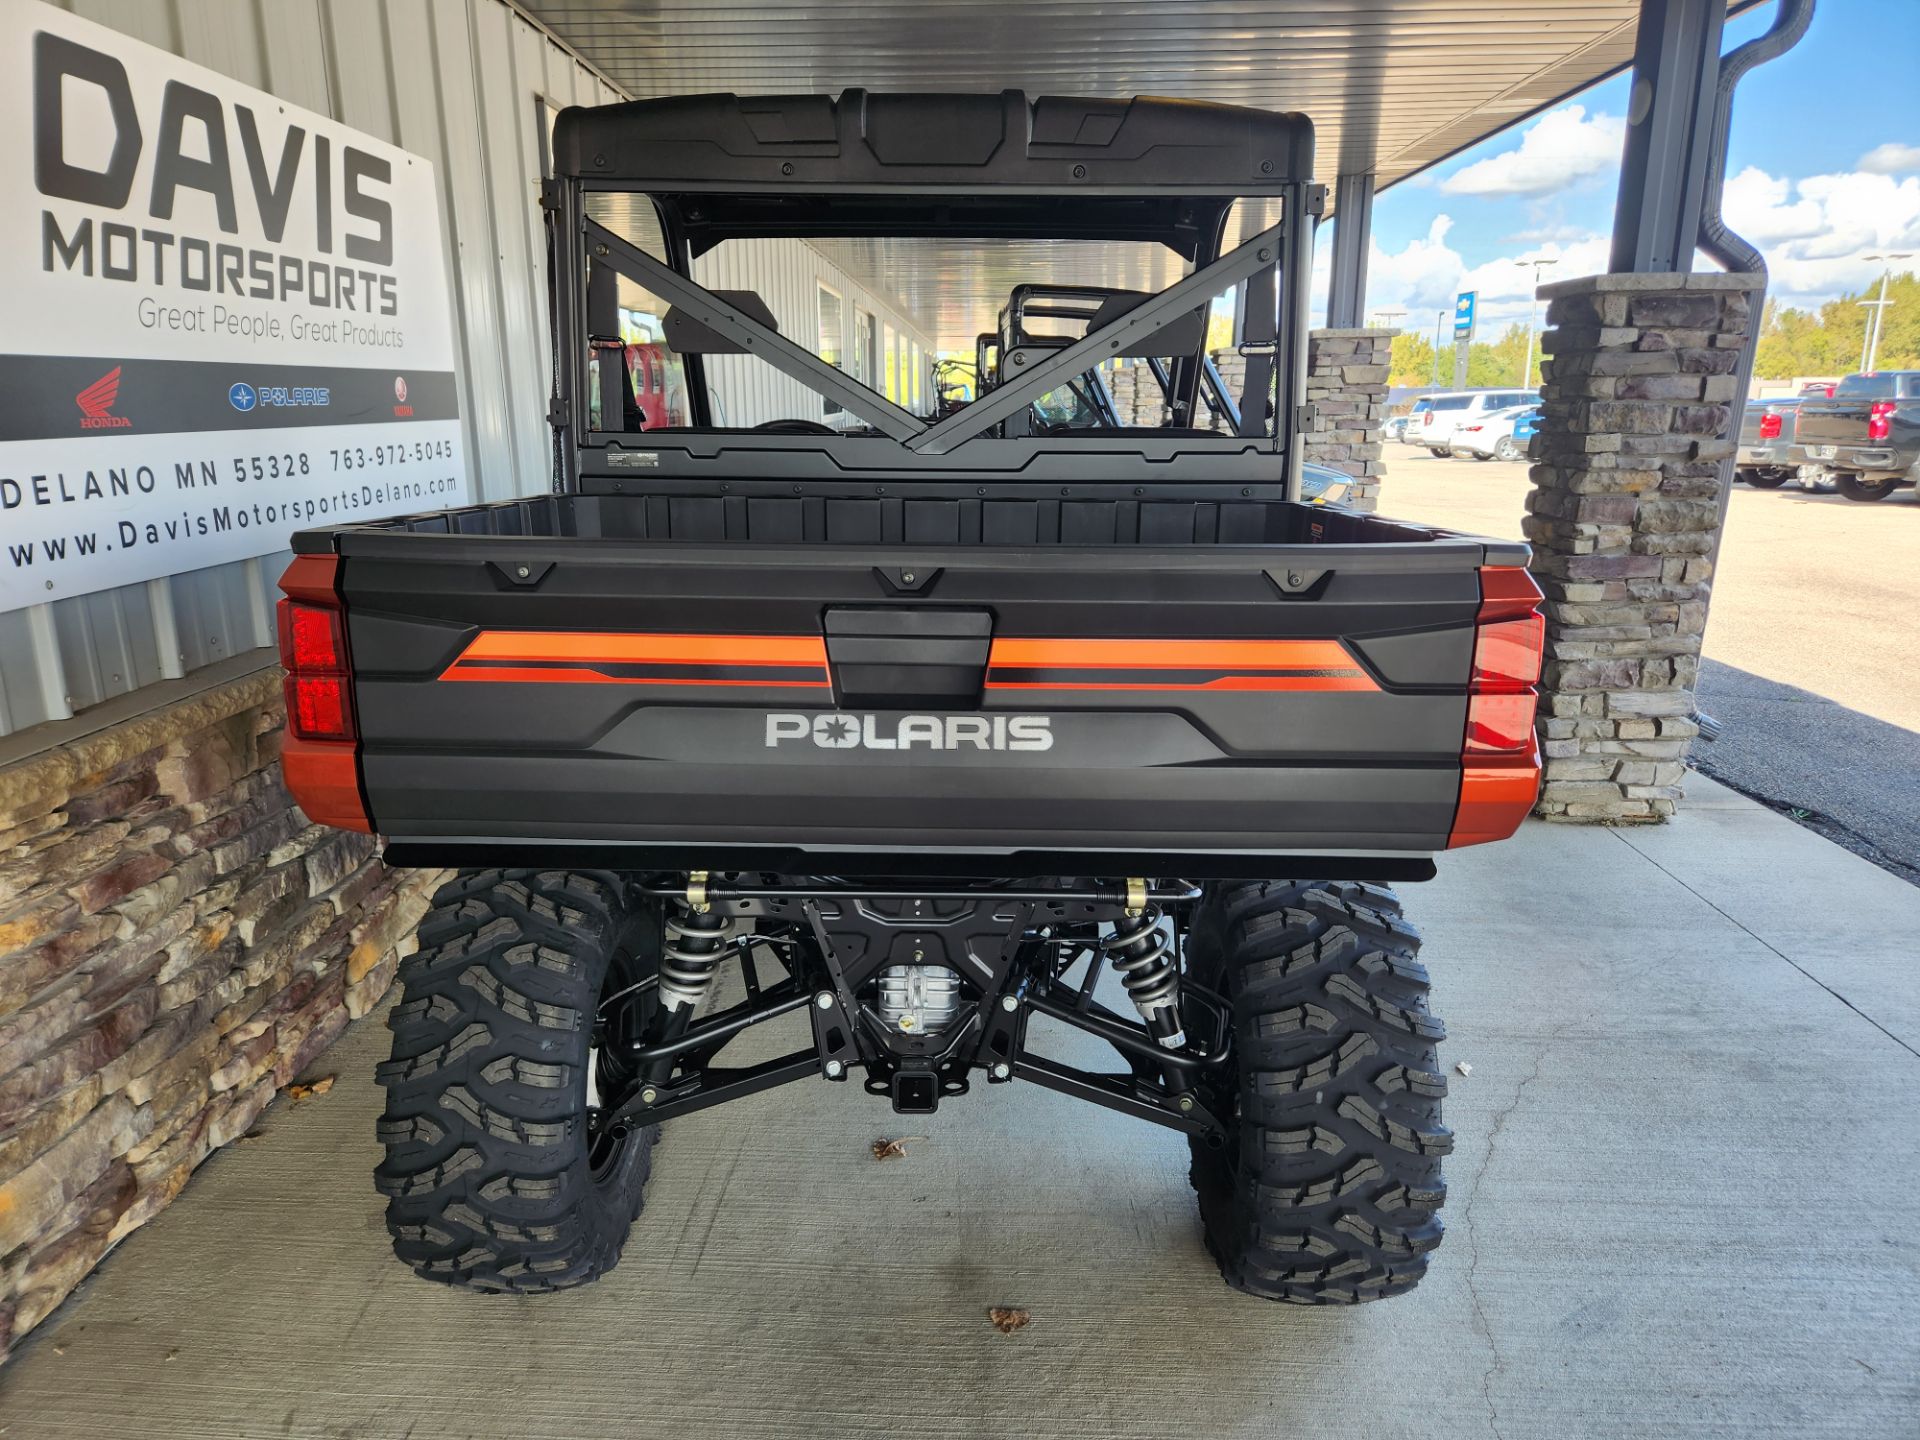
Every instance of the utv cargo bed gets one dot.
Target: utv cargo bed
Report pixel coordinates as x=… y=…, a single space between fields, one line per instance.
x=977 y=685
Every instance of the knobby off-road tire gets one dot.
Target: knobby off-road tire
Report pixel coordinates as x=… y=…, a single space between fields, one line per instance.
x=1328 y=1188
x=492 y=1177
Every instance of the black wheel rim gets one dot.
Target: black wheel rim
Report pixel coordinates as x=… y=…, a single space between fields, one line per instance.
x=624 y=1011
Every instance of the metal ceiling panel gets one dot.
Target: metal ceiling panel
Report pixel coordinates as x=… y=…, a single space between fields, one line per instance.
x=1393 y=86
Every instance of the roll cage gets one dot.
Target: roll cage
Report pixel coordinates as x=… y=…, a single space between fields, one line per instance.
x=717 y=168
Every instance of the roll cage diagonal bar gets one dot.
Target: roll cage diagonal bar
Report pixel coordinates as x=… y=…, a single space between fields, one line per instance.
x=790 y=359
x=1012 y=396
x=1009 y=398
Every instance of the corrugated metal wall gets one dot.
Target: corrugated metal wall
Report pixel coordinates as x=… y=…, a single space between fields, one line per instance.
x=788 y=276
x=460 y=82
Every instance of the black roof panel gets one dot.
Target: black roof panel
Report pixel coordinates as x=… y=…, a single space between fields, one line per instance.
x=936 y=142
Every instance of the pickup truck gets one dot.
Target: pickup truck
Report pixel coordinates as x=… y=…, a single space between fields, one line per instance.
x=913 y=732
x=1769 y=454
x=1867 y=434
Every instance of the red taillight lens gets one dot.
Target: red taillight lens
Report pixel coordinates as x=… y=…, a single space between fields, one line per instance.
x=1880 y=420
x=321 y=758
x=1506 y=653
x=1499 y=757
x=317 y=707
x=311 y=638
x=1770 y=425
x=1499 y=724
x=313 y=648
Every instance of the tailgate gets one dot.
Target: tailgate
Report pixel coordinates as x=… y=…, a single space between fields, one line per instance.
x=1832 y=422
x=747 y=706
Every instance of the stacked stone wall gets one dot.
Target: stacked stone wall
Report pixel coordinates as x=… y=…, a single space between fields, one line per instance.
x=177 y=943
x=1347 y=392
x=1638 y=426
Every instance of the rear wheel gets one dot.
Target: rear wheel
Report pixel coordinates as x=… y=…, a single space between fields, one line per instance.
x=1765 y=479
x=1858 y=487
x=1328 y=1187
x=1440 y=452
x=497 y=1172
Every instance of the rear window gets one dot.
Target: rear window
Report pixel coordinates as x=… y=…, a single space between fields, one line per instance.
x=1867 y=387
x=1420 y=407
x=1453 y=402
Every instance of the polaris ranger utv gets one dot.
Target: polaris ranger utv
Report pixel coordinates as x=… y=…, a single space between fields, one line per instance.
x=920 y=727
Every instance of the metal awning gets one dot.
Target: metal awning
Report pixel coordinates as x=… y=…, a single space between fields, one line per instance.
x=1393 y=86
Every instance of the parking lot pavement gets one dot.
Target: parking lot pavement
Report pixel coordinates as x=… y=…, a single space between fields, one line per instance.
x=1813 y=639
x=1675 y=1207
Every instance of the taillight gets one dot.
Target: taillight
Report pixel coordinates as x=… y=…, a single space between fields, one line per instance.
x=321 y=757
x=1499 y=756
x=1427 y=419
x=1880 y=420
x=313 y=648
x=1770 y=425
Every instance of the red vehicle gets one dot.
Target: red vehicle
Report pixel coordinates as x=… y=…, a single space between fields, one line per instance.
x=650 y=372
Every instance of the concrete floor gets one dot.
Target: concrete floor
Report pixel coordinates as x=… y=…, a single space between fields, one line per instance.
x=1681 y=1203
x=1809 y=647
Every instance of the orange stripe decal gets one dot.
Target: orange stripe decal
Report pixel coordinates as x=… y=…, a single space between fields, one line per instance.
x=1016 y=663
x=589 y=657
x=1106 y=654
x=553 y=645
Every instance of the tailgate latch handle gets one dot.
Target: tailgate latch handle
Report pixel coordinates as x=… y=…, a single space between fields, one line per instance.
x=908 y=657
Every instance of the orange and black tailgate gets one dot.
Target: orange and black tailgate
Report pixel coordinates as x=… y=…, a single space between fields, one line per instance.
x=777 y=706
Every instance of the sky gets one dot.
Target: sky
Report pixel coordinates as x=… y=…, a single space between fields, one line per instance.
x=1823 y=170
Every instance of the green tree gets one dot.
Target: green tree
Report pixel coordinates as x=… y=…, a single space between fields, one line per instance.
x=1500 y=362
x=1413 y=361
x=1830 y=341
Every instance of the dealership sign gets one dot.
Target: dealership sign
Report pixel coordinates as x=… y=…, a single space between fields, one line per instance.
x=226 y=318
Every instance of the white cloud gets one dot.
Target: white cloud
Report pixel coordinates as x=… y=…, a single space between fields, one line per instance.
x=1755 y=205
x=1816 y=244
x=1541 y=234
x=1815 y=233
x=1560 y=147
x=1892 y=158
x=1421 y=277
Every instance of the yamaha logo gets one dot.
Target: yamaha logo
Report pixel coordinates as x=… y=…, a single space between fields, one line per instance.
x=837 y=730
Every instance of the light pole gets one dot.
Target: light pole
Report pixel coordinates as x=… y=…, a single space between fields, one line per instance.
x=1439 y=327
x=1880 y=305
x=1533 y=307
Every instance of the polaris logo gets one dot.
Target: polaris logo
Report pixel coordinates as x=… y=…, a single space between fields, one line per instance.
x=833 y=730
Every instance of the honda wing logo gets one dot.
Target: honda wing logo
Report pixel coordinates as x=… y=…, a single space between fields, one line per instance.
x=97 y=399
x=836 y=730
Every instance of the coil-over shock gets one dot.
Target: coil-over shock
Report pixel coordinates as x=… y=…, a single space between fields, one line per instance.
x=690 y=955
x=696 y=933
x=1141 y=953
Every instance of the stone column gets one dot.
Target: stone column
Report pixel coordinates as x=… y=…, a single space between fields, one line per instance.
x=1347 y=390
x=1637 y=420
